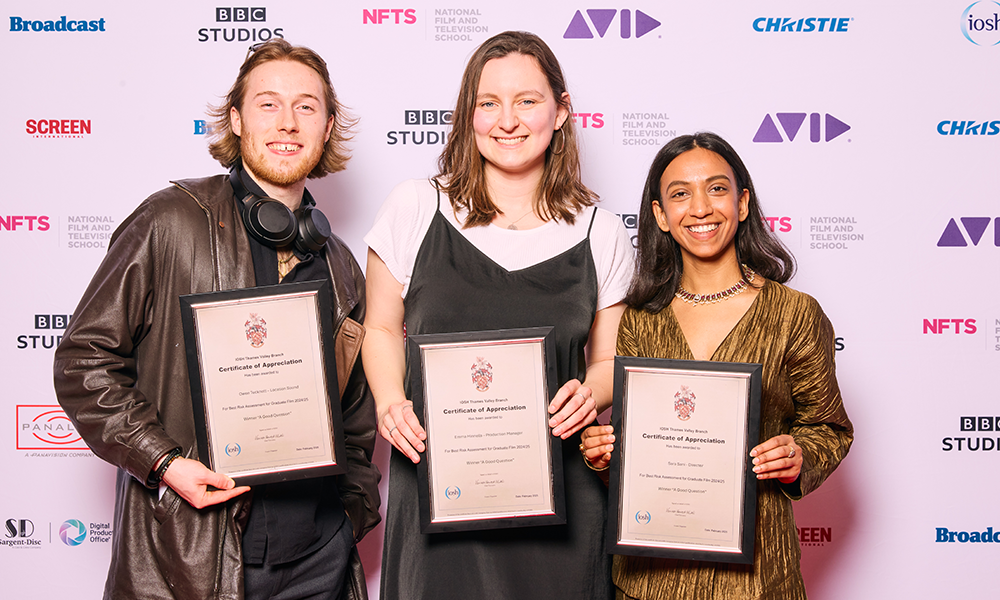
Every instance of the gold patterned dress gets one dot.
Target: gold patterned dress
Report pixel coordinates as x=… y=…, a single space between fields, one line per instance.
x=787 y=332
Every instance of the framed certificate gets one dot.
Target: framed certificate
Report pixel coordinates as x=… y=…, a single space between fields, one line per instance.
x=681 y=482
x=264 y=383
x=491 y=460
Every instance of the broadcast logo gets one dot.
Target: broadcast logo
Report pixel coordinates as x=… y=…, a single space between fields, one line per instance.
x=791 y=123
x=60 y=24
x=975 y=227
x=601 y=18
x=981 y=23
x=72 y=533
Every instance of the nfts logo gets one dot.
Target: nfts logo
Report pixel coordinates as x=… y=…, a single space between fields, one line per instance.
x=603 y=17
x=944 y=536
x=802 y=25
x=46 y=427
x=968 y=425
x=430 y=118
x=591 y=120
x=968 y=128
x=72 y=532
x=57 y=128
x=236 y=14
x=975 y=227
x=778 y=224
x=956 y=326
x=24 y=222
x=815 y=536
x=395 y=16
x=19 y=533
x=792 y=122
x=47 y=341
x=62 y=24
x=979 y=26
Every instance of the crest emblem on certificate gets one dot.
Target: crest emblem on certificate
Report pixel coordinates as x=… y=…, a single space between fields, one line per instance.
x=684 y=403
x=256 y=330
x=482 y=374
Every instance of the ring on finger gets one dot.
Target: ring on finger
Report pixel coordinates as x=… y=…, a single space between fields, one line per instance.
x=581 y=448
x=394 y=428
x=791 y=452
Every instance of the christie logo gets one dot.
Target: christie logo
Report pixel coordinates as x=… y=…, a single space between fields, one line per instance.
x=46 y=427
x=815 y=536
x=60 y=24
x=968 y=127
x=966 y=443
x=72 y=533
x=591 y=120
x=792 y=122
x=427 y=118
x=24 y=222
x=35 y=341
x=57 y=128
x=956 y=326
x=601 y=18
x=802 y=25
x=981 y=23
x=945 y=536
x=236 y=14
x=975 y=227
x=396 y=16
x=779 y=224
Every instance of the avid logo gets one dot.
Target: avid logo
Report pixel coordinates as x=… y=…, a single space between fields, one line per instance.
x=601 y=18
x=970 y=425
x=968 y=128
x=803 y=25
x=237 y=14
x=975 y=227
x=60 y=24
x=791 y=123
x=397 y=16
x=57 y=128
x=418 y=137
x=981 y=23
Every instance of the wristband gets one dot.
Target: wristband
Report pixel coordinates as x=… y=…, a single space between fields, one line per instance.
x=157 y=476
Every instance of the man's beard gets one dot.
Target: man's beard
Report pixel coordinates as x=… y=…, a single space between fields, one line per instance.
x=255 y=162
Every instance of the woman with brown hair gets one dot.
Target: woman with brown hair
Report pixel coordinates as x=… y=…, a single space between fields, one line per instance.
x=506 y=236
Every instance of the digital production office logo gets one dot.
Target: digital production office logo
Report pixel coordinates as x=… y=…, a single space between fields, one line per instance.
x=981 y=23
x=240 y=24
x=427 y=120
x=969 y=441
x=601 y=18
x=72 y=532
x=46 y=427
x=975 y=227
x=791 y=123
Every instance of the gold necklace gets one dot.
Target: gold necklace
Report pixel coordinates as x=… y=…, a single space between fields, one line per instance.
x=738 y=288
x=513 y=224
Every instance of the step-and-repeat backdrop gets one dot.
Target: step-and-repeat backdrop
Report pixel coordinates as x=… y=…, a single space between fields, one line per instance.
x=872 y=131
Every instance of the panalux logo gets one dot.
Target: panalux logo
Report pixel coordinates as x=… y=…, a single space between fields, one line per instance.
x=792 y=122
x=975 y=227
x=603 y=17
x=46 y=427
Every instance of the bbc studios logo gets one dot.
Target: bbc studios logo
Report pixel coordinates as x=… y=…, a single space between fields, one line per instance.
x=240 y=24
x=975 y=434
x=423 y=128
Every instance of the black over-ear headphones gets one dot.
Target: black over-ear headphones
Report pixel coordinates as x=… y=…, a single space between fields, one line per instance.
x=271 y=223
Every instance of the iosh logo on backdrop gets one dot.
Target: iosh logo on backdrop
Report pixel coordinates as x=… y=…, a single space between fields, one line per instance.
x=46 y=427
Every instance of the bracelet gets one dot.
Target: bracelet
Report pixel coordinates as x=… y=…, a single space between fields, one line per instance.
x=157 y=476
x=591 y=466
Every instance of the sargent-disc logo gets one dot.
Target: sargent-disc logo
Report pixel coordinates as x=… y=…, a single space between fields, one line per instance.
x=601 y=19
x=791 y=123
x=974 y=228
x=981 y=23
x=72 y=532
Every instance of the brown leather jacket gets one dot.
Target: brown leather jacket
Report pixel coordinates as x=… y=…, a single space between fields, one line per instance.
x=121 y=376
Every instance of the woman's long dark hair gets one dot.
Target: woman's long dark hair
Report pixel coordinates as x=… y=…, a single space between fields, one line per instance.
x=658 y=266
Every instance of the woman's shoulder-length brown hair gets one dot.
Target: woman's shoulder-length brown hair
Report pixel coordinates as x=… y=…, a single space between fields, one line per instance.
x=226 y=145
x=561 y=193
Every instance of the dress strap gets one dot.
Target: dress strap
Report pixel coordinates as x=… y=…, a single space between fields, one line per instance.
x=592 y=217
x=437 y=186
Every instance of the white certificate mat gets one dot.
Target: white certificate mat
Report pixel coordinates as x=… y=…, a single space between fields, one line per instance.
x=682 y=475
x=261 y=382
x=484 y=405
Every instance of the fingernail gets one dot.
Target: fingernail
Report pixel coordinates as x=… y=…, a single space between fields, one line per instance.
x=753 y=453
x=754 y=461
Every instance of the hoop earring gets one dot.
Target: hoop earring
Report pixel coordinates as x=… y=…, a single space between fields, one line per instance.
x=562 y=146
